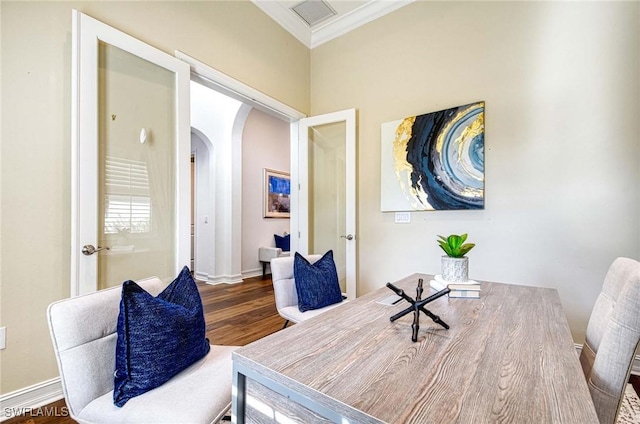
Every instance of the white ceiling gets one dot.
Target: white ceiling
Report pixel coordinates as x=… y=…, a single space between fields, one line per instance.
x=350 y=15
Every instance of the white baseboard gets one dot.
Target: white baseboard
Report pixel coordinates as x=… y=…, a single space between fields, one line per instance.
x=250 y=273
x=635 y=367
x=228 y=279
x=201 y=276
x=26 y=399
x=220 y=279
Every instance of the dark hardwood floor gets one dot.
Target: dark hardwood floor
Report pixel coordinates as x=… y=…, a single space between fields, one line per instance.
x=236 y=315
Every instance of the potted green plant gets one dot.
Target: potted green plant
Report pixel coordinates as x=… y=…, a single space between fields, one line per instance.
x=455 y=265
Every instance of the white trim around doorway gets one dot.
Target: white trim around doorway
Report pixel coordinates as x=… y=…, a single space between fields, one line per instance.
x=201 y=72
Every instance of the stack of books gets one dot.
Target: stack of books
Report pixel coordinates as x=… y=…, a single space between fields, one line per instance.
x=469 y=289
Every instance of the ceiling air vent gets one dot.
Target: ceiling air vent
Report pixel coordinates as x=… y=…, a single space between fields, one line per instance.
x=313 y=11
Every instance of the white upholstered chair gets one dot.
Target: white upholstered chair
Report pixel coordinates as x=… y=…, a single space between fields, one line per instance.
x=612 y=338
x=83 y=331
x=284 y=289
x=265 y=254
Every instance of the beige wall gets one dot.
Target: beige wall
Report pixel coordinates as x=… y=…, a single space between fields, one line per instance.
x=562 y=147
x=234 y=37
x=265 y=144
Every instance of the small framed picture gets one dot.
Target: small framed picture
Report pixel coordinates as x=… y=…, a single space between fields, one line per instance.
x=277 y=194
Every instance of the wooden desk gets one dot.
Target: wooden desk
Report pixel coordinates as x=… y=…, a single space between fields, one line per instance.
x=508 y=357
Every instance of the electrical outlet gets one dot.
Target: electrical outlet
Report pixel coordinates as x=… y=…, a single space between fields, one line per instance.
x=3 y=338
x=403 y=217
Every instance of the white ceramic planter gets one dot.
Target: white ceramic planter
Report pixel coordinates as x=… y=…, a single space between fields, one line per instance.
x=455 y=270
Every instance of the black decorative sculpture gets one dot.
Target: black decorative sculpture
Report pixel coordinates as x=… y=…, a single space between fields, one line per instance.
x=417 y=306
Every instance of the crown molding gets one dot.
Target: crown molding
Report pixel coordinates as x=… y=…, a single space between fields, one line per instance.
x=287 y=19
x=356 y=18
x=333 y=28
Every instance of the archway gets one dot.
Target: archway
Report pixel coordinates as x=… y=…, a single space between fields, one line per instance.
x=216 y=143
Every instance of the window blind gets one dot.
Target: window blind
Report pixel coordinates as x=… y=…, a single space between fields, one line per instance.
x=127 y=204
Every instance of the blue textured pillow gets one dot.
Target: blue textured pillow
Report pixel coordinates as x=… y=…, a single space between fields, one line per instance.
x=157 y=336
x=316 y=284
x=283 y=243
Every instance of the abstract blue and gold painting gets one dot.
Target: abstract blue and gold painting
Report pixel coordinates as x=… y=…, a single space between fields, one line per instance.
x=434 y=161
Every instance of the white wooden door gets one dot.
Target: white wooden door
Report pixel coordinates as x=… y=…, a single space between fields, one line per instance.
x=130 y=164
x=324 y=164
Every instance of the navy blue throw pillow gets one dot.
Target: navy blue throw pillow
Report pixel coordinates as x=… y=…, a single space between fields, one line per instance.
x=157 y=336
x=316 y=284
x=283 y=243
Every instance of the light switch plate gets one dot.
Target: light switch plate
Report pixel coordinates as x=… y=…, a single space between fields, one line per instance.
x=403 y=217
x=3 y=338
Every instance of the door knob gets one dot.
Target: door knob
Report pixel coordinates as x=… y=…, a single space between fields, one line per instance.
x=89 y=249
x=348 y=237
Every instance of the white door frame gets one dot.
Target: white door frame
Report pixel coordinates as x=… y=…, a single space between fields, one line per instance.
x=86 y=34
x=201 y=72
x=233 y=88
x=231 y=207
x=301 y=199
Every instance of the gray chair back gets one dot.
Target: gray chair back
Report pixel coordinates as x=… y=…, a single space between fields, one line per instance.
x=284 y=285
x=612 y=338
x=83 y=331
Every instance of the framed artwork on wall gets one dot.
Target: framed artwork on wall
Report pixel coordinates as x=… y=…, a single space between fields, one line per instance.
x=277 y=194
x=434 y=161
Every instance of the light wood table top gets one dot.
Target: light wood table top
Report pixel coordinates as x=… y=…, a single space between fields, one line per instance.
x=508 y=357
